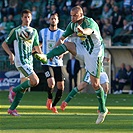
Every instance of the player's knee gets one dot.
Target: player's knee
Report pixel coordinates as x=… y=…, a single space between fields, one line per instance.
x=51 y=84
x=60 y=86
x=34 y=82
x=95 y=85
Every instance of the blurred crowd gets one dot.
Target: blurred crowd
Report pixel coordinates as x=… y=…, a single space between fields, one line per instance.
x=123 y=77
x=113 y=16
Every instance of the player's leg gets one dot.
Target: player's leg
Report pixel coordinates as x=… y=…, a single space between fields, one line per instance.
x=67 y=46
x=104 y=81
x=20 y=89
x=94 y=67
x=80 y=55
x=49 y=77
x=100 y=96
x=71 y=94
x=75 y=90
x=59 y=78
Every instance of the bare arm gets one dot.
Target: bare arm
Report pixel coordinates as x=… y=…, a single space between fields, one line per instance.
x=60 y=41
x=8 y=51
x=38 y=49
x=86 y=31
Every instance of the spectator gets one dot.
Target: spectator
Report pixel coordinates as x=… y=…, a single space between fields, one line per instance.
x=129 y=77
x=13 y=7
x=116 y=18
x=127 y=7
x=4 y=9
x=3 y=29
x=120 y=80
x=131 y=89
x=80 y=3
x=86 y=11
x=69 y=4
x=125 y=35
x=96 y=7
x=107 y=28
x=73 y=67
x=10 y=24
x=100 y=24
x=60 y=4
x=35 y=16
x=51 y=9
x=108 y=3
x=106 y=13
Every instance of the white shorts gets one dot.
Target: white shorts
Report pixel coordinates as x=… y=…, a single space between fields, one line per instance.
x=25 y=70
x=92 y=61
x=103 y=78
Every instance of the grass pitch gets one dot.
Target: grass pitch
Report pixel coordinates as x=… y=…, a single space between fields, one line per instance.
x=79 y=117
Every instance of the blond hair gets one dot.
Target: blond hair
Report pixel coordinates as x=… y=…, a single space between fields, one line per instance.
x=78 y=9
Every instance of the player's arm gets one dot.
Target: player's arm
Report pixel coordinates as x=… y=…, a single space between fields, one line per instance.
x=86 y=31
x=67 y=33
x=60 y=41
x=38 y=49
x=8 y=51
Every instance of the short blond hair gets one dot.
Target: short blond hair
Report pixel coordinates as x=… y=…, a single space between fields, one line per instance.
x=78 y=8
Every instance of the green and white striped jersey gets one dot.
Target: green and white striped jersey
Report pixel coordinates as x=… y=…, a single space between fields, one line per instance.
x=22 y=48
x=90 y=42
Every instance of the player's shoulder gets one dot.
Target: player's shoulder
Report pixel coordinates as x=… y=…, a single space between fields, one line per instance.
x=44 y=29
x=16 y=28
x=33 y=28
x=60 y=30
x=88 y=19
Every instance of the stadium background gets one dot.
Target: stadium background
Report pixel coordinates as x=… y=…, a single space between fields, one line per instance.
x=117 y=52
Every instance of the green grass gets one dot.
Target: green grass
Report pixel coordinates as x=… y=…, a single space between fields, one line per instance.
x=79 y=116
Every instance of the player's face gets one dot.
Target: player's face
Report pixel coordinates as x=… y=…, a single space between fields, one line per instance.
x=75 y=16
x=26 y=19
x=54 y=20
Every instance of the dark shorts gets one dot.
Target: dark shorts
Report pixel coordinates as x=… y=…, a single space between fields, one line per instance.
x=55 y=72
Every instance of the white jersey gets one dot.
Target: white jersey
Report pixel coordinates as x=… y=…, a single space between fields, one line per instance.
x=48 y=39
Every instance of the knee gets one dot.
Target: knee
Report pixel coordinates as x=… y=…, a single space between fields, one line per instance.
x=51 y=83
x=95 y=85
x=34 y=82
x=60 y=86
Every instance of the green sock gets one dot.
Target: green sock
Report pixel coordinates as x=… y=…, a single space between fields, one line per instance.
x=73 y=92
x=57 y=51
x=100 y=97
x=22 y=87
x=105 y=97
x=16 y=100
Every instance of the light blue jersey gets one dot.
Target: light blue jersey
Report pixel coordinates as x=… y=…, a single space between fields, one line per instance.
x=48 y=39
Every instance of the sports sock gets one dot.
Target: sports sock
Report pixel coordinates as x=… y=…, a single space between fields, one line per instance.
x=50 y=96
x=16 y=100
x=73 y=92
x=57 y=97
x=57 y=51
x=100 y=97
x=22 y=87
x=105 y=97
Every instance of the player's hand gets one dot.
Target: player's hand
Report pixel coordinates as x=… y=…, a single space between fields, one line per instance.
x=80 y=29
x=11 y=58
x=61 y=56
